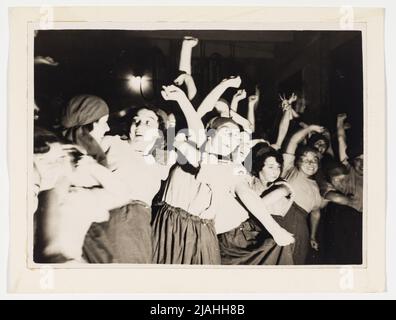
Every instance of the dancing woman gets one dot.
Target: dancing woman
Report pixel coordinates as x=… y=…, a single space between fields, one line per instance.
x=185 y=229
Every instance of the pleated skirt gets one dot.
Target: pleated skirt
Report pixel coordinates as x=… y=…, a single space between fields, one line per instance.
x=182 y=238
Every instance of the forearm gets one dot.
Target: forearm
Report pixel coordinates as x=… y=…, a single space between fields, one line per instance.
x=195 y=126
x=342 y=147
x=210 y=100
x=185 y=57
x=254 y=204
x=283 y=128
x=341 y=135
x=251 y=116
x=296 y=139
x=191 y=87
x=246 y=125
x=314 y=218
x=191 y=154
x=338 y=198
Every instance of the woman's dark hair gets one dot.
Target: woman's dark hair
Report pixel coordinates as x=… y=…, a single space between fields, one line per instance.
x=317 y=137
x=89 y=126
x=42 y=140
x=261 y=152
x=162 y=119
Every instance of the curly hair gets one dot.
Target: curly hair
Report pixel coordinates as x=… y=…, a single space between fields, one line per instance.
x=162 y=120
x=260 y=153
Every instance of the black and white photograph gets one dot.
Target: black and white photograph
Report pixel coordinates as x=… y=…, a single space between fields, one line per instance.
x=176 y=150
x=198 y=147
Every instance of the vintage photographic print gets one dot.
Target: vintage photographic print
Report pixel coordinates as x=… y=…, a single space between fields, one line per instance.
x=198 y=146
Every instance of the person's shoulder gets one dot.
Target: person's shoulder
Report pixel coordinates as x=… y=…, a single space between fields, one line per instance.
x=284 y=186
x=112 y=142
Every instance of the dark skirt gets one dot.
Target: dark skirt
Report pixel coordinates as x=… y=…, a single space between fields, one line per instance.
x=343 y=235
x=250 y=243
x=182 y=238
x=125 y=238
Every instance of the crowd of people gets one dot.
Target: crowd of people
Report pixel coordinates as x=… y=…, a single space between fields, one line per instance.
x=211 y=193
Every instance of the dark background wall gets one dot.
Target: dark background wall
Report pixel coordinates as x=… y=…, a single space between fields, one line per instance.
x=324 y=66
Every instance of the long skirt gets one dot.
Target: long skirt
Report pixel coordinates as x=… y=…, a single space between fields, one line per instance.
x=250 y=243
x=125 y=238
x=182 y=238
x=343 y=235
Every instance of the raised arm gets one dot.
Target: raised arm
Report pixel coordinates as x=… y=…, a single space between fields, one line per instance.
x=299 y=136
x=254 y=204
x=283 y=128
x=188 y=80
x=238 y=96
x=244 y=123
x=252 y=105
x=342 y=145
x=288 y=115
x=196 y=130
x=185 y=55
x=329 y=150
x=185 y=67
x=210 y=100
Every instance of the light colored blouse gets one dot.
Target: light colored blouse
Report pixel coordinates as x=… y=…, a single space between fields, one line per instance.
x=305 y=190
x=141 y=173
x=209 y=193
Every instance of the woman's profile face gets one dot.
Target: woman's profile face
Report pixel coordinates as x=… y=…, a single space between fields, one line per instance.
x=270 y=171
x=308 y=163
x=100 y=127
x=226 y=139
x=144 y=126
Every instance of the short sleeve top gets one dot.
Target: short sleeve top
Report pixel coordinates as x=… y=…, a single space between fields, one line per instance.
x=142 y=174
x=306 y=191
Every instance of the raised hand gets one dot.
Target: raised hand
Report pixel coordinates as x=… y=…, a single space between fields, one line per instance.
x=180 y=79
x=341 y=121
x=183 y=78
x=316 y=128
x=253 y=99
x=341 y=117
x=233 y=82
x=240 y=95
x=286 y=103
x=172 y=93
x=293 y=98
x=190 y=41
